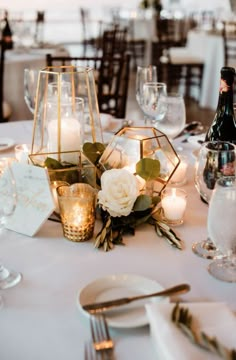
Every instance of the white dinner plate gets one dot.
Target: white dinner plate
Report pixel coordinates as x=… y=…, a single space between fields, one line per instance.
x=6 y=143
x=117 y=286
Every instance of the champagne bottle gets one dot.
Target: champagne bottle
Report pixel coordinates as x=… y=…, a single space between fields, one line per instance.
x=223 y=127
x=7 y=33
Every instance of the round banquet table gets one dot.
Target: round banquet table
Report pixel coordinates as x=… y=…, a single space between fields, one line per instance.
x=40 y=318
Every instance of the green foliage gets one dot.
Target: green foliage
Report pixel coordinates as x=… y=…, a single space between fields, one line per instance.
x=148 y=169
x=186 y=322
x=143 y=202
x=62 y=171
x=93 y=151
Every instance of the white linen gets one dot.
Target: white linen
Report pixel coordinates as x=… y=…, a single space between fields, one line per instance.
x=40 y=319
x=210 y=46
x=209 y=49
x=15 y=62
x=215 y=319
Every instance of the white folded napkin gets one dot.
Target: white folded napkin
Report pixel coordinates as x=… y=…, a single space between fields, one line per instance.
x=215 y=319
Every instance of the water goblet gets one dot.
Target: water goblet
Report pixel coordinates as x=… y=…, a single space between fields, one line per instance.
x=144 y=74
x=174 y=120
x=30 y=87
x=216 y=159
x=8 y=200
x=153 y=102
x=222 y=230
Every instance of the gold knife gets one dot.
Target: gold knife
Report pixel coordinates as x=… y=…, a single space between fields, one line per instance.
x=105 y=305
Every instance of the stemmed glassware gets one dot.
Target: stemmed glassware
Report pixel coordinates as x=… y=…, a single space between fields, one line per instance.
x=216 y=159
x=174 y=119
x=222 y=230
x=144 y=74
x=153 y=102
x=30 y=87
x=8 y=200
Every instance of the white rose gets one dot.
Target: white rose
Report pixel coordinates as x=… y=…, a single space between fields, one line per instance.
x=119 y=191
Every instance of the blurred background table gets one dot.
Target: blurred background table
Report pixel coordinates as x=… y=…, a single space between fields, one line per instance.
x=208 y=46
x=15 y=63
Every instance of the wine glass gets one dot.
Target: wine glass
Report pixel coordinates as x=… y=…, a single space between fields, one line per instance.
x=30 y=87
x=8 y=200
x=222 y=230
x=153 y=101
x=144 y=74
x=215 y=160
x=174 y=119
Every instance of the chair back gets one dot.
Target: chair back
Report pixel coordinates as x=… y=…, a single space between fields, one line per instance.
x=171 y=31
x=114 y=41
x=2 y=60
x=111 y=78
x=229 y=37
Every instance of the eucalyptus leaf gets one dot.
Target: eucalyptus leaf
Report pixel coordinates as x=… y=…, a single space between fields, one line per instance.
x=186 y=322
x=51 y=163
x=142 y=202
x=93 y=151
x=148 y=169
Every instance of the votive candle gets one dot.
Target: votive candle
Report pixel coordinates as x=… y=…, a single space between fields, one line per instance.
x=77 y=210
x=173 y=202
x=54 y=186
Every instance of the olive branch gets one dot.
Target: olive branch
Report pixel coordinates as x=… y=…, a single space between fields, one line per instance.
x=187 y=323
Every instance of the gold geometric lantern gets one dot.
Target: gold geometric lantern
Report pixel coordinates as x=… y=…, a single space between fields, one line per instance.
x=82 y=170
x=131 y=144
x=66 y=111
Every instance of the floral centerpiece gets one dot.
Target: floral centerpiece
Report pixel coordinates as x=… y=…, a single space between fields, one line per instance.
x=123 y=203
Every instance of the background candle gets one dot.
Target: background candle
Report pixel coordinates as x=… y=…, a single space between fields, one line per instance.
x=179 y=177
x=173 y=202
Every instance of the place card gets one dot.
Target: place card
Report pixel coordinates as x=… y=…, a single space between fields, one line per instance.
x=34 y=199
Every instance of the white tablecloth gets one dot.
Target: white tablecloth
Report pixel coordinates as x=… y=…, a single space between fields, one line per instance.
x=209 y=49
x=40 y=319
x=15 y=63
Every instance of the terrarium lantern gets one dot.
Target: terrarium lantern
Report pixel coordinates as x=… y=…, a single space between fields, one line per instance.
x=131 y=144
x=66 y=108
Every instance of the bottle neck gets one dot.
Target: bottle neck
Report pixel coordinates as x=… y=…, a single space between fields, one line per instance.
x=7 y=35
x=225 y=96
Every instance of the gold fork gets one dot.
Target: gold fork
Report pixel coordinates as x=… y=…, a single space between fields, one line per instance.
x=100 y=334
x=89 y=352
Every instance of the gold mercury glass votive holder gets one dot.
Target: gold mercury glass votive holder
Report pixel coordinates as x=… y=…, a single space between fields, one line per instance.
x=77 y=210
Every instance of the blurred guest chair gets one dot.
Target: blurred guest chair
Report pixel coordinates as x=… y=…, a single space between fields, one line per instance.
x=229 y=37
x=171 y=31
x=137 y=46
x=113 y=41
x=177 y=65
x=111 y=77
x=5 y=110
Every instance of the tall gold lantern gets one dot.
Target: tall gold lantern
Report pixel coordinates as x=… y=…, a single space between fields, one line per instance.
x=66 y=111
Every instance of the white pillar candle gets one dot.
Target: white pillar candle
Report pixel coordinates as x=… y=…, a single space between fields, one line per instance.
x=174 y=204
x=69 y=140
